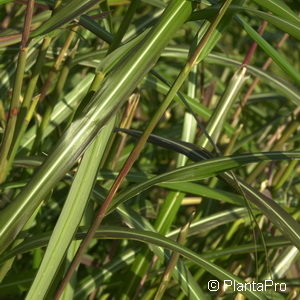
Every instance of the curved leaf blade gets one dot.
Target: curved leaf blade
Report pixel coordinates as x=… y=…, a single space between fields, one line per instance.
x=114 y=92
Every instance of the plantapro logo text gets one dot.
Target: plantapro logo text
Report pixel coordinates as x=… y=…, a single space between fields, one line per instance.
x=255 y=286
x=266 y=285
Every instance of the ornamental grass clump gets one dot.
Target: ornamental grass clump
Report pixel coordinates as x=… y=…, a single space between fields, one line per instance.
x=149 y=149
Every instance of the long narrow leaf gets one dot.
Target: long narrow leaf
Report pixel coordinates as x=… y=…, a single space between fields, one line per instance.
x=115 y=89
x=71 y=214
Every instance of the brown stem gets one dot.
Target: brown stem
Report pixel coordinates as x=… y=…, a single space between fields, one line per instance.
x=253 y=47
x=255 y=82
x=15 y=100
x=27 y=23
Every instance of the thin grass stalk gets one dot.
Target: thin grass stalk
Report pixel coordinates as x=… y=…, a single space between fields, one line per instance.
x=15 y=100
x=97 y=80
x=225 y=103
x=289 y=131
x=2 y=114
x=278 y=174
x=124 y=25
x=173 y=260
x=24 y=115
x=231 y=144
x=227 y=99
x=125 y=123
x=256 y=81
x=51 y=77
x=218 y=117
x=287 y=174
x=105 y=9
x=281 y=61
x=63 y=75
x=138 y=148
